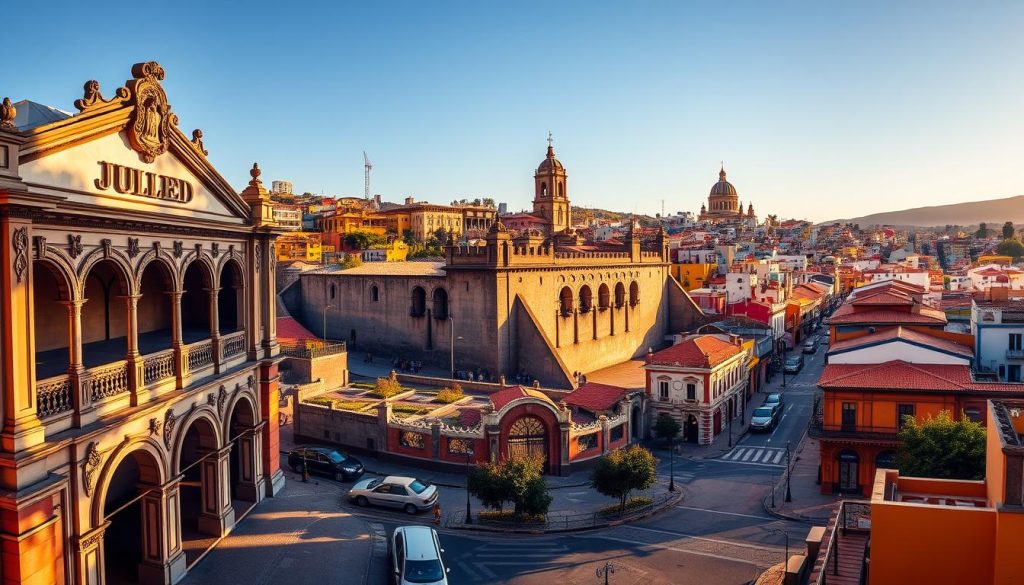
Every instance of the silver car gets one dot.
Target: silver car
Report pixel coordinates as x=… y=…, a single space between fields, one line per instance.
x=416 y=557
x=393 y=491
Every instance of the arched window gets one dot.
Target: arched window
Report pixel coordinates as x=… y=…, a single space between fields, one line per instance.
x=602 y=296
x=333 y=292
x=374 y=293
x=419 y=302
x=565 y=301
x=634 y=294
x=586 y=299
x=543 y=189
x=440 y=303
x=561 y=190
x=620 y=295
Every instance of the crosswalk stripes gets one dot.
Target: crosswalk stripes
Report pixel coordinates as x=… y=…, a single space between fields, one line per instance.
x=759 y=455
x=481 y=564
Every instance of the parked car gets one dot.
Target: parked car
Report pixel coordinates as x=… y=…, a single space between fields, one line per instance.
x=764 y=418
x=416 y=557
x=325 y=461
x=794 y=364
x=405 y=493
x=774 y=399
x=811 y=345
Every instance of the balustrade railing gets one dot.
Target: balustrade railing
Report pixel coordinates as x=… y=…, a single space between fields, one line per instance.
x=234 y=344
x=157 y=367
x=200 y=355
x=53 y=396
x=108 y=380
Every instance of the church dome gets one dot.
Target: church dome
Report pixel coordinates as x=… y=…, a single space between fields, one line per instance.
x=550 y=163
x=723 y=187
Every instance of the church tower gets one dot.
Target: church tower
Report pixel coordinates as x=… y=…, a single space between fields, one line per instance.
x=551 y=199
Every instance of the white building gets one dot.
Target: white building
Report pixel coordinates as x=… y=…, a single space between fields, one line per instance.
x=281 y=188
x=998 y=329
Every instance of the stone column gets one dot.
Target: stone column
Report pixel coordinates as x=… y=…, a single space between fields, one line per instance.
x=215 y=328
x=269 y=391
x=216 y=516
x=135 y=375
x=605 y=433
x=575 y=326
x=180 y=363
x=89 y=556
x=251 y=484
x=21 y=427
x=563 y=442
x=76 y=370
x=163 y=561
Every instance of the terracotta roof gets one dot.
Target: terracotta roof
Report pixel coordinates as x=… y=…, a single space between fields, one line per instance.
x=918 y=315
x=595 y=397
x=885 y=297
x=900 y=375
x=288 y=329
x=502 y=397
x=698 y=351
x=899 y=333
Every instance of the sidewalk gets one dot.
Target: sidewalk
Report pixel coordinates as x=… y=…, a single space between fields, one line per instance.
x=381 y=367
x=808 y=504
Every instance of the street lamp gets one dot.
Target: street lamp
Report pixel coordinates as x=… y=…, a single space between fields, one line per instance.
x=604 y=571
x=324 y=336
x=451 y=351
x=786 y=534
x=469 y=514
x=789 y=472
x=672 y=464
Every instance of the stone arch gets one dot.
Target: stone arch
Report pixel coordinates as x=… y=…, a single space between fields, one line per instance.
x=634 y=294
x=105 y=317
x=439 y=300
x=52 y=291
x=155 y=306
x=116 y=259
x=156 y=470
x=161 y=257
x=62 y=271
x=231 y=297
x=586 y=299
x=620 y=295
x=418 y=298
x=226 y=259
x=565 y=300
x=603 y=296
x=209 y=417
x=206 y=266
x=197 y=280
x=242 y=433
x=200 y=459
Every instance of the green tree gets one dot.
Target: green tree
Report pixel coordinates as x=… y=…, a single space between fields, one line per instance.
x=1010 y=248
x=619 y=473
x=351 y=261
x=441 y=236
x=487 y=483
x=666 y=427
x=516 y=480
x=1008 y=230
x=360 y=240
x=942 y=447
x=982 y=230
x=408 y=237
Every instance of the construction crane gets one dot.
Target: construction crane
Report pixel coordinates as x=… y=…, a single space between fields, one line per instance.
x=367 y=167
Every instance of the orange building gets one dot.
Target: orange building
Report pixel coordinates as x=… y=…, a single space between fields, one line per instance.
x=883 y=304
x=140 y=382
x=345 y=221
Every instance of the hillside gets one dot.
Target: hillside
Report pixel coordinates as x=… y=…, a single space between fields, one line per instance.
x=588 y=214
x=992 y=211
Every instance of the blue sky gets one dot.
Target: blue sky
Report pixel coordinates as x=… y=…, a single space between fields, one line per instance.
x=819 y=109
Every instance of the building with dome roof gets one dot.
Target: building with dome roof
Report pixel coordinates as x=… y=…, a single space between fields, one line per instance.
x=724 y=203
x=551 y=199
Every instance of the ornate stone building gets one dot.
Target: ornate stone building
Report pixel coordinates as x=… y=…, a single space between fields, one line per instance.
x=544 y=306
x=139 y=376
x=724 y=203
x=551 y=196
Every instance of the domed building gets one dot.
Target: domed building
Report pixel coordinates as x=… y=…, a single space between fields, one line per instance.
x=724 y=203
x=551 y=200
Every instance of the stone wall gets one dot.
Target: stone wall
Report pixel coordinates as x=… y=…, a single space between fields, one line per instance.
x=330 y=370
x=360 y=432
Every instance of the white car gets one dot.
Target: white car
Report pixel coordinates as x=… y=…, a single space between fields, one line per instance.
x=393 y=491
x=416 y=557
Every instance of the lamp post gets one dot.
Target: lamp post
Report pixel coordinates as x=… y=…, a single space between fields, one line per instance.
x=789 y=472
x=469 y=514
x=324 y=336
x=785 y=534
x=604 y=571
x=451 y=352
x=672 y=465
x=730 y=423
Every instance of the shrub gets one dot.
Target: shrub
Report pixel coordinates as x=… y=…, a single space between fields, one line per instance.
x=632 y=504
x=320 y=401
x=620 y=472
x=510 y=516
x=518 y=480
x=449 y=395
x=387 y=387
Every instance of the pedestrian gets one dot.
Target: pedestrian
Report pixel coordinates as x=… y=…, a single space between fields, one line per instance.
x=437 y=513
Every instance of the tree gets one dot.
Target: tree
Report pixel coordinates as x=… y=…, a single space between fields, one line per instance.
x=1008 y=230
x=360 y=240
x=488 y=484
x=942 y=447
x=1010 y=248
x=619 y=473
x=982 y=230
x=519 y=480
x=666 y=427
x=441 y=236
x=387 y=387
x=351 y=261
x=408 y=237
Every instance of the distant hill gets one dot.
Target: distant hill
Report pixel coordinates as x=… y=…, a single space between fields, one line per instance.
x=992 y=211
x=588 y=214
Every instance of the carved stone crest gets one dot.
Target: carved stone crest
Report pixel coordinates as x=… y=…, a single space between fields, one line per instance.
x=215 y=249
x=211 y=400
x=169 y=422
x=90 y=467
x=133 y=247
x=7 y=114
x=179 y=248
x=20 y=242
x=231 y=250
x=74 y=245
x=92 y=98
x=149 y=129
x=106 y=244
x=197 y=140
x=251 y=381
x=222 y=398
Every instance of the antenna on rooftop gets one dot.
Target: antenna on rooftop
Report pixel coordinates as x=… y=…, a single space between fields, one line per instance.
x=367 y=167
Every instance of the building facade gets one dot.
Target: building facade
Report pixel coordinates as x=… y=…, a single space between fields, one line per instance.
x=140 y=386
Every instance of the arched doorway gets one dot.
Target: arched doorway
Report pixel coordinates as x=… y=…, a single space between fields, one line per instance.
x=155 y=308
x=105 y=315
x=634 y=423
x=440 y=304
x=849 y=469
x=691 y=429
x=205 y=514
x=195 y=302
x=244 y=459
x=131 y=532
x=231 y=299
x=527 y=437
x=419 y=302
x=50 y=297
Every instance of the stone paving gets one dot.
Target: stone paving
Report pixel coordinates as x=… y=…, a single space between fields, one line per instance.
x=808 y=501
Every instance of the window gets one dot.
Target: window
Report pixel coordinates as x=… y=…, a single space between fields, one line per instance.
x=565 y=301
x=973 y=414
x=374 y=293
x=1015 y=341
x=584 y=442
x=663 y=390
x=902 y=411
x=849 y=416
x=419 y=302
x=332 y=291
x=691 y=391
x=618 y=432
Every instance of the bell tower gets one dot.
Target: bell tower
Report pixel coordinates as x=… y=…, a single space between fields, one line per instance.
x=550 y=198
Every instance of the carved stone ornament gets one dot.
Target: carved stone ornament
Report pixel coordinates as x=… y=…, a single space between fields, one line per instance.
x=133 y=247
x=90 y=542
x=222 y=398
x=40 y=246
x=256 y=256
x=251 y=381
x=20 y=242
x=215 y=249
x=169 y=422
x=199 y=250
x=74 y=245
x=149 y=129
x=197 y=140
x=92 y=98
x=90 y=467
x=231 y=250
x=179 y=248
x=154 y=426
x=7 y=114
x=106 y=244
x=211 y=400
x=273 y=257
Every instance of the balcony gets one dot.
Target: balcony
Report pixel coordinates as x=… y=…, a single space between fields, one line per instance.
x=1015 y=354
x=844 y=559
x=819 y=430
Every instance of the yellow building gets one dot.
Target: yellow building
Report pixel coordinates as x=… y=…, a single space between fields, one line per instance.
x=425 y=219
x=396 y=251
x=346 y=221
x=692 y=276
x=994 y=259
x=304 y=246
x=397 y=220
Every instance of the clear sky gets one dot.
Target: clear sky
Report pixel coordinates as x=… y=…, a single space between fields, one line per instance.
x=819 y=109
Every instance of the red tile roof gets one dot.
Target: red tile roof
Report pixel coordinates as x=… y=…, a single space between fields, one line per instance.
x=502 y=397
x=885 y=297
x=845 y=315
x=595 y=397
x=900 y=375
x=899 y=333
x=699 y=351
x=288 y=329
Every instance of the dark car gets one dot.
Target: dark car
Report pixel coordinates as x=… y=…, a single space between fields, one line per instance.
x=794 y=364
x=325 y=461
x=774 y=399
x=811 y=345
x=764 y=418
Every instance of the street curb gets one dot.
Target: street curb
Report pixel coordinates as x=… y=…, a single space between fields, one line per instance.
x=494 y=529
x=764 y=501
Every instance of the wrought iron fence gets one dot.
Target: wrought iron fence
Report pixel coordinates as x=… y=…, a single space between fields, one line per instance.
x=310 y=349
x=563 y=521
